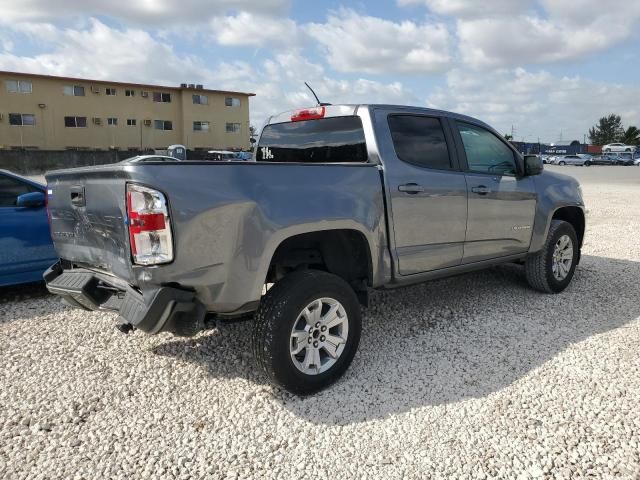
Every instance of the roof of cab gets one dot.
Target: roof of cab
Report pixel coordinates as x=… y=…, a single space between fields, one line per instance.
x=341 y=110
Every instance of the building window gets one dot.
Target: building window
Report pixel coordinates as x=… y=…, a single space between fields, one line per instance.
x=112 y=121
x=163 y=124
x=74 y=90
x=22 y=119
x=161 y=97
x=75 y=122
x=233 y=128
x=200 y=100
x=129 y=93
x=110 y=92
x=19 y=86
x=232 y=102
x=200 y=126
x=131 y=122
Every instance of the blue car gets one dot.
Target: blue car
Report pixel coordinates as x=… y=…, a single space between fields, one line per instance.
x=26 y=250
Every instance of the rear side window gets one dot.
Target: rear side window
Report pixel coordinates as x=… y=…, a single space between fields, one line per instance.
x=420 y=140
x=327 y=140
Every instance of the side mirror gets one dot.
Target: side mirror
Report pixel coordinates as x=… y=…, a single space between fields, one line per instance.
x=533 y=165
x=30 y=200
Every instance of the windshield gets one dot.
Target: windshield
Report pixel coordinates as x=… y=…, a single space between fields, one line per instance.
x=327 y=140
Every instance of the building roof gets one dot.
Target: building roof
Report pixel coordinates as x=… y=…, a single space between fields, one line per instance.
x=110 y=82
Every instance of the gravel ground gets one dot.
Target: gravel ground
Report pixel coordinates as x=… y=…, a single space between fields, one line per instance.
x=470 y=377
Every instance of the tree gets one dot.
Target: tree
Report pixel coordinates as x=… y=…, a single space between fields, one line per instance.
x=631 y=136
x=608 y=130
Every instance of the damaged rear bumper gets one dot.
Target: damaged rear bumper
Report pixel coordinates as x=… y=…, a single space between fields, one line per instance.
x=160 y=309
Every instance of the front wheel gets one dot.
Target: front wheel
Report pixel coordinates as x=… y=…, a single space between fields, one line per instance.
x=307 y=331
x=551 y=269
x=562 y=163
x=587 y=164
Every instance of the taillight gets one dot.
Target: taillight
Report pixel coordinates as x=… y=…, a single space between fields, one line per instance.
x=149 y=226
x=308 y=114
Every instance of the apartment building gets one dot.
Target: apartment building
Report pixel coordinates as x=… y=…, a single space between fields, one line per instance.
x=57 y=113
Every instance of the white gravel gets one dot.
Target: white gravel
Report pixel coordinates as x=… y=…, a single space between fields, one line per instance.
x=471 y=377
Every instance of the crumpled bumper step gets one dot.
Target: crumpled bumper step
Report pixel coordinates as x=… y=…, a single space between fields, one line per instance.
x=155 y=310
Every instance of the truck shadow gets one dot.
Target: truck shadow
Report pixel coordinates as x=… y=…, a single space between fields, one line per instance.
x=443 y=342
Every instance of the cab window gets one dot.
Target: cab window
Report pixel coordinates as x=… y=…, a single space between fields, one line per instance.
x=11 y=188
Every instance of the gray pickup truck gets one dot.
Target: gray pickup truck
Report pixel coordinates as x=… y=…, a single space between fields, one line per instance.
x=339 y=200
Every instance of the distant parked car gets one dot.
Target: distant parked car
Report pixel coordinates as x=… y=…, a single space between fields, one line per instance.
x=228 y=156
x=609 y=159
x=619 y=147
x=26 y=249
x=574 y=160
x=637 y=162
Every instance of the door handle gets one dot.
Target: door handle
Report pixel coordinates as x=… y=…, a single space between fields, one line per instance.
x=411 y=188
x=481 y=190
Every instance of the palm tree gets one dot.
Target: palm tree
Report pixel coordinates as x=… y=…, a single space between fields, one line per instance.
x=631 y=136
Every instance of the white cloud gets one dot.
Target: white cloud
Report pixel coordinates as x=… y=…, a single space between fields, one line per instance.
x=356 y=43
x=536 y=103
x=150 y=12
x=470 y=8
x=255 y=30
x=102 y=52
x=563 y=31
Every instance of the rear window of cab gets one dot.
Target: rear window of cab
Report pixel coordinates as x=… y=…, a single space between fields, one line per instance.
x=326 y=140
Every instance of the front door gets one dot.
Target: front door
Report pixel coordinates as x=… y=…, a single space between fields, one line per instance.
x=427 y=191
x=502 y=203
x=26 y=250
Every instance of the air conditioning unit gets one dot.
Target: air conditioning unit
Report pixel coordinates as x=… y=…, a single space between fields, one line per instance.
x=183 y=85
x=147 y=123
x=95 y=89
x=192 y=85
x=97 y=121
x=199 y=86
x=144 y=94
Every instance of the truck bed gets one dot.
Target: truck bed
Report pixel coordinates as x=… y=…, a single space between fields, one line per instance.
x=225 y=217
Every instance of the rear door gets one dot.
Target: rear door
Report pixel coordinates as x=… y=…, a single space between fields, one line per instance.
x=502 y=202
x=25 y=244
x=427 y=191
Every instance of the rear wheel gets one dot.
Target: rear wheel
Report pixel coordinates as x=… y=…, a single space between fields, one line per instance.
x=551 y=269
x=562 y=163
x=307 y=331
x=587 y=164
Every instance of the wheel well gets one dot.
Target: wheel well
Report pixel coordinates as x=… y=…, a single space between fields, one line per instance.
x=574 y=216
x=344 y=253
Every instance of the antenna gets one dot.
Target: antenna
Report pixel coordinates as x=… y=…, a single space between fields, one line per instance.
x=316 y=96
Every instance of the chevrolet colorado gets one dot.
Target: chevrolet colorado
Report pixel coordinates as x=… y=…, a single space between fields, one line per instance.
x=340 y=199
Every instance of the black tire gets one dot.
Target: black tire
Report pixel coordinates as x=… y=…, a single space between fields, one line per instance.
x=562 y=163
x=627 y=149
x=538 y=266
x=278 y=312
x=587 y=164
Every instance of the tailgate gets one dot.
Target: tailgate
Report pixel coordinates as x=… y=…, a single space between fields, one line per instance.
x=87 y=212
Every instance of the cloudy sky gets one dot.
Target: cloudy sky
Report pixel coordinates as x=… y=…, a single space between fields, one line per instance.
x=550 y=68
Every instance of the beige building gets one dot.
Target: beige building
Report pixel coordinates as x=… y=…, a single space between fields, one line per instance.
x=56 y=113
